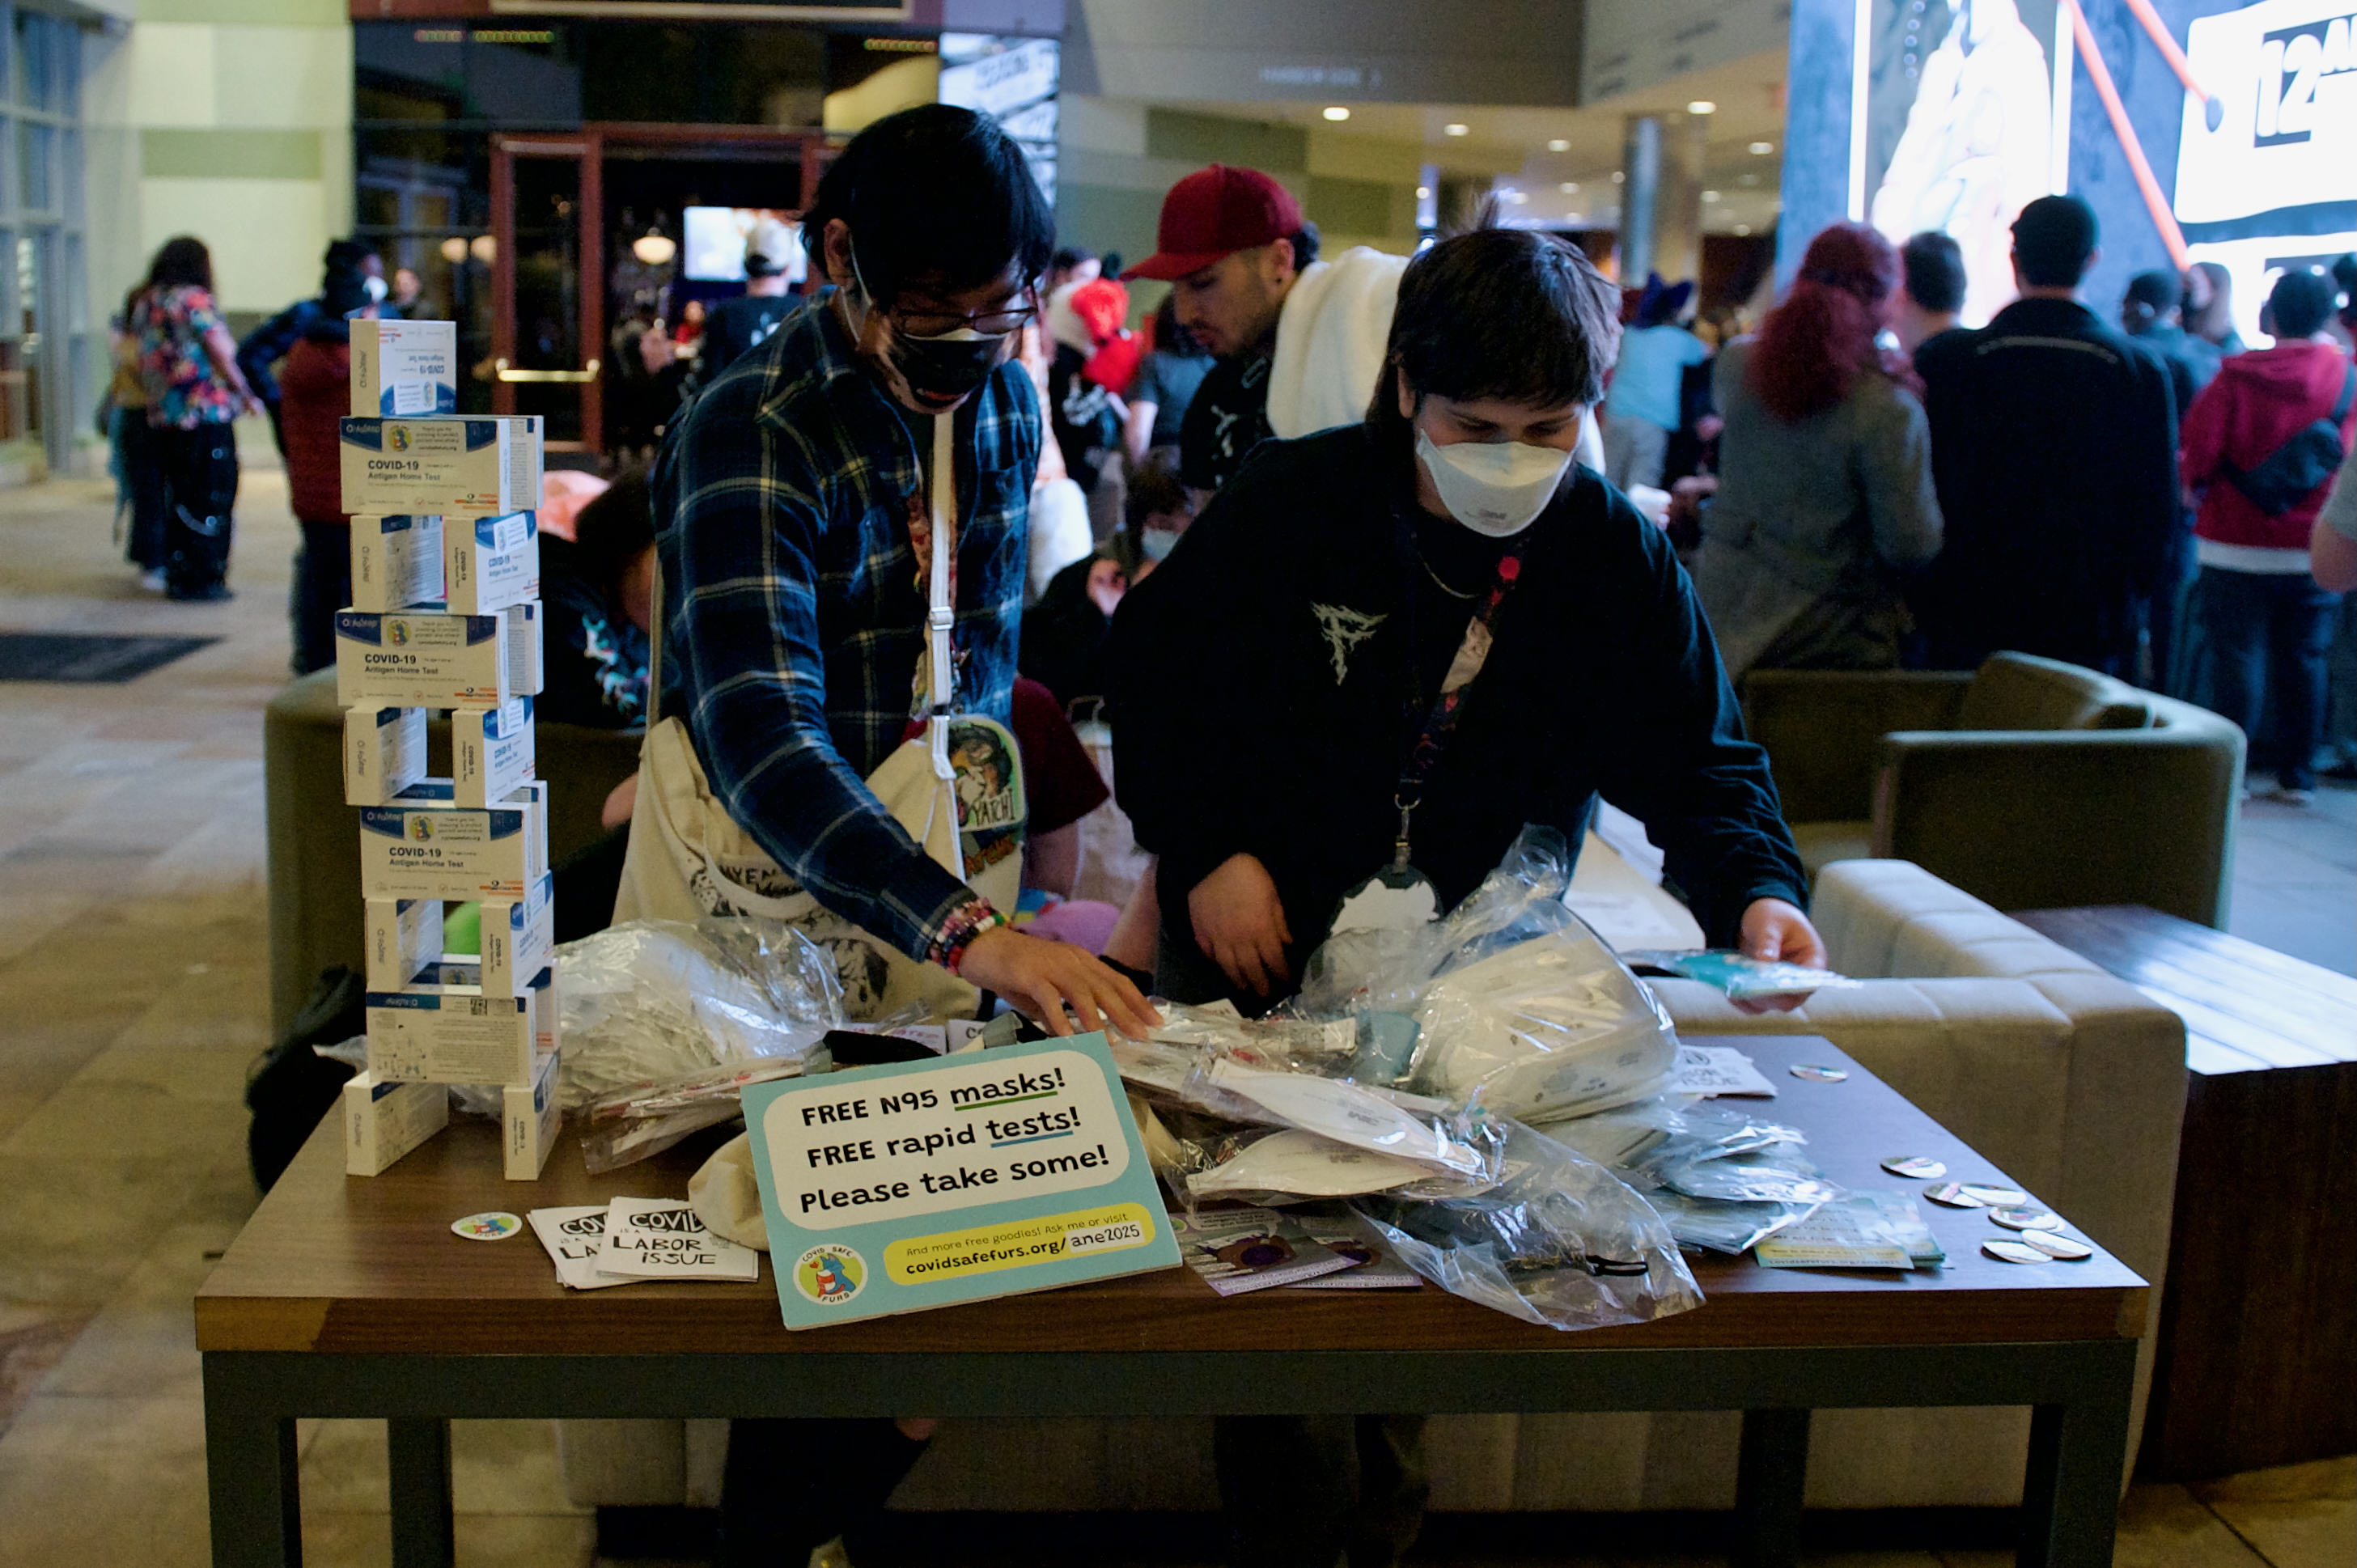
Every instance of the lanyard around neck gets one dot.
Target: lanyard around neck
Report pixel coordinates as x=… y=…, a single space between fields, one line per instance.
x=1440 y=721
x=941 y=614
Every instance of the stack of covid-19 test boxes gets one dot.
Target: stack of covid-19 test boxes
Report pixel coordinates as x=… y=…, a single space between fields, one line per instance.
x=445 y=614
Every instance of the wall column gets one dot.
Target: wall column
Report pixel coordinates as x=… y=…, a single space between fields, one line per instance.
x=1661 y=197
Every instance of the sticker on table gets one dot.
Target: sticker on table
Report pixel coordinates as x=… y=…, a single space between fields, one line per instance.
x=1996 y=1197
x=2026 y=1219
x=492 y=1226
x=2068 y=1249
x=2015 y=1250
x=665 y=1238
x=1917 y=1168
x=1954 y=1194
x=1817 y=1073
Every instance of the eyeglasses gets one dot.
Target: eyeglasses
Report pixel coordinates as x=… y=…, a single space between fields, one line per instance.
x=990 y=323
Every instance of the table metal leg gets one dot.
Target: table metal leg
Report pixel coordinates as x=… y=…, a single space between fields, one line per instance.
x=418 y=1450
x=250 y=1482
x=2071 y=1494
x=1772 y=1474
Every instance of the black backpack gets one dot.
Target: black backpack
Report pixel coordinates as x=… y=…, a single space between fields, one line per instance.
x=289 y=1088
x=2293 y=471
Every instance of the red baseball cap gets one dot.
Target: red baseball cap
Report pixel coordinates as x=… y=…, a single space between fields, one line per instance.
x=1216 y=212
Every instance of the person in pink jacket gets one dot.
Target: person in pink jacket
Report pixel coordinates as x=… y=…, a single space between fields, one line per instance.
x=2260 y=446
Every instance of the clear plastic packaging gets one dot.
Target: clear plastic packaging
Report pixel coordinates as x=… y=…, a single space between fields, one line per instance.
x=1510 y=997
x=642 y=1122
x=1559 y=1240
x=1724 y=1153
x=650 y=1002
x=1729 y=1228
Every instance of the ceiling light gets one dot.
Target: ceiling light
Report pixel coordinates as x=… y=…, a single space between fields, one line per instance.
x=453 y=250
x=1453 y=130
x=1569 y=187
x=1336 y=112
x=1558 y=146
x=483 y=248
x=1424 y=193
x=1743 y=227
x=1617 y=176
x=655 y=250
x=1761 y=149
x=1710 y=196
x=1702 y=106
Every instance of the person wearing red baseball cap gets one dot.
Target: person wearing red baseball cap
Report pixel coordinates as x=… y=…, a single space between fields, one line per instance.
x=1231 y=244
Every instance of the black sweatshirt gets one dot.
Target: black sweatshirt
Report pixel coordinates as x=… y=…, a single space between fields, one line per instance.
x=1267 y=693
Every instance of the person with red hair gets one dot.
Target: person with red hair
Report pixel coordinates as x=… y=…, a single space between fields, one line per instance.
x=1825 y=487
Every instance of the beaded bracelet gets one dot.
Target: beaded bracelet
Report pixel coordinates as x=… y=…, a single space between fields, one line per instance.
x=966 y=922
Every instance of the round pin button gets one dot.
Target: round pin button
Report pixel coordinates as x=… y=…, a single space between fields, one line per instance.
x=1920 y=1167
x=2026 y=1219
x=1818 y=1074
x=1996 y=1197
x=2064 y=1247
x=1954 y=1194
x=493 y=1227
x=2013 y=1251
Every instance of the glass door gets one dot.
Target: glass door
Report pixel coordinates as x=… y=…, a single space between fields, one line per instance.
x=547 y=307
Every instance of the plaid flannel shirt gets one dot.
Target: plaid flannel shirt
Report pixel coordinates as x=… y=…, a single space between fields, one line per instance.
x=794 y=615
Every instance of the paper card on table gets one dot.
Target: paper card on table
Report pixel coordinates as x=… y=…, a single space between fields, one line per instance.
x=1239 y=1250
x=574 y=1236
x=1857 y=1230
x=664 y=1239
x=916 y=1185
x=1372 y=1267
x=1717 y=1069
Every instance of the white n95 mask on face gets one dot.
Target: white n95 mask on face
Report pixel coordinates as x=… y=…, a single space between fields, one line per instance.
x=1495 y=488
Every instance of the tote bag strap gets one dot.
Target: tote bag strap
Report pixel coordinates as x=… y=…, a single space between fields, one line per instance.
x=941 y=615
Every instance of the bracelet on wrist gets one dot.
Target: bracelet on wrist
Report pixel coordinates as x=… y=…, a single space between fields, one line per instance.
x=966 y=922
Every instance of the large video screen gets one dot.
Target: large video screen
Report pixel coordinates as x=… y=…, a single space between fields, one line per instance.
x=713 y=247
x=2200 y=130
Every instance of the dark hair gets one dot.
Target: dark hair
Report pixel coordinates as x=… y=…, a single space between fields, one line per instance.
x=347 y=255
x=615 y=526
x=934 y=189
x=1509 y=314
x=2158 y=292
x=1813 y=346
x=1171 y=333
x=1934 y=267
x=344 y=291
x=2344 y=272
x=2301 y=302
x=181 y=263
x=2053 y=240
x=1067 y=257
x=1153 y=488
x=1305 y=243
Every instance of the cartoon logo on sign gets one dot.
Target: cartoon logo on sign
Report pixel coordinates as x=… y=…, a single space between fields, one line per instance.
x=421 y=828
x=398 y=438
x=396 y=632
x=830 y=1275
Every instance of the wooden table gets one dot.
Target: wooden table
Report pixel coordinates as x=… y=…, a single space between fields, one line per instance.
x=2258 y=1338
x=351 y=1297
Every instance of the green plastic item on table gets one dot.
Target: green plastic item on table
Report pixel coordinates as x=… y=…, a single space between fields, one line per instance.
x=462 y=929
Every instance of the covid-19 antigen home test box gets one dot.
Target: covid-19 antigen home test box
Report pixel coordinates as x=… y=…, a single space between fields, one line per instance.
x=413 y=658
x=490 y=562
x=396 y=563
x=422 y=846
x=384 y=1120
x=403 y=937
x=384 y=753
x=491 y=751
x=450 y=1035
x=519 y=939
x=529 y=1113
x=483 y=467
x=405 y=367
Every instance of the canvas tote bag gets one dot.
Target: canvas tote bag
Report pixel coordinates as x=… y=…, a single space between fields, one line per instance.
x=688 y=858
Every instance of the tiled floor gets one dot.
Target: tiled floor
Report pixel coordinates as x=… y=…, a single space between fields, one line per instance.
x=131 y=997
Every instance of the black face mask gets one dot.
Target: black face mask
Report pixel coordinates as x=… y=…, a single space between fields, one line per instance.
x=944 y=368
x=949 y=367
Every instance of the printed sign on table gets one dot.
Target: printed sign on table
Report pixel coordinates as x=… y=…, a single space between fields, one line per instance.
x=917 y=1185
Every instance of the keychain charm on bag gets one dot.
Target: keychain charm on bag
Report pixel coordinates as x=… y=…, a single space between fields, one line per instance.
x=1399 y=897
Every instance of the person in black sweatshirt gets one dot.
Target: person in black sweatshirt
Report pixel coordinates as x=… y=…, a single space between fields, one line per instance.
x=1431 y=615
x=1339 y=586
